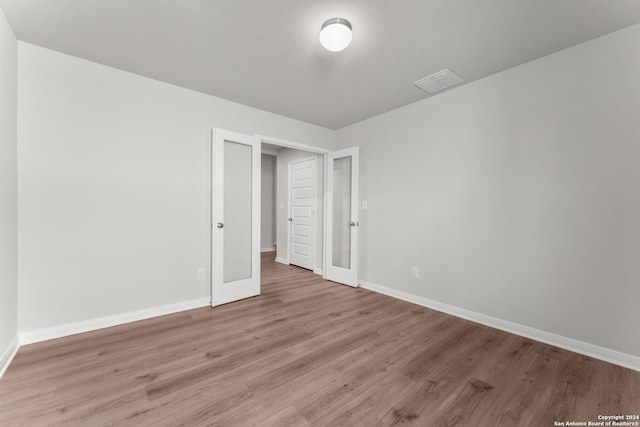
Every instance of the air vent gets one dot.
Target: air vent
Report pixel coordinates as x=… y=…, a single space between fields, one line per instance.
x=438 y=81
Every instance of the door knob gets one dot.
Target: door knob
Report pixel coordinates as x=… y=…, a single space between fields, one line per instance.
x=220 y=225
x=290 y=219
x=353 y=223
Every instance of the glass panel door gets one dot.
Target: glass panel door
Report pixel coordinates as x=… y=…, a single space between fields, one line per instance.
x=342 y=216
x=235 y=217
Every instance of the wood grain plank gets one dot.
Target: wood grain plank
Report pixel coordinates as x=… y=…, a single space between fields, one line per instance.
x=308 y=352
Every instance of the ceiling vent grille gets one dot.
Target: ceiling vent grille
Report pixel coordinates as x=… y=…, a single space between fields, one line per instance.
x=438 y=81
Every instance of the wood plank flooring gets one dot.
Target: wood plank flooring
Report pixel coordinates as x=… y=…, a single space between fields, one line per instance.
x=308 y=353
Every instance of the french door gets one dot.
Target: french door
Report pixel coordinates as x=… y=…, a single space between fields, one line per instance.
x=341 y=252
x=235 y=217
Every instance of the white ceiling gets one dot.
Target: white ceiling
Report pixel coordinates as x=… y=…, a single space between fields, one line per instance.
x=265 y=53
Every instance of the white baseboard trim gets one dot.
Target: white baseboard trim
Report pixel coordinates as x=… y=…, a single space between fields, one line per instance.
x=591 y=350
x=67 y=329
x=9 y=354
x=282 y=260
x=267 y=250
x=319 y=271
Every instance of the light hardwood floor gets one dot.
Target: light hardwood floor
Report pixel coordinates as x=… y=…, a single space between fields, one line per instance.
x=308 y=353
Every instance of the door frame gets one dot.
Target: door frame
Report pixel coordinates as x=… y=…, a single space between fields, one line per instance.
x=325 y=156
x=314 y=223
x=325 y=153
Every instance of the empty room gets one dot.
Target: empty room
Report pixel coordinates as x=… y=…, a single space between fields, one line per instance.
x=320 y=213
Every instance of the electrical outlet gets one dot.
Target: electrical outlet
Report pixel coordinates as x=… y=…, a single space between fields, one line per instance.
x=201 y=273
x=415 y=273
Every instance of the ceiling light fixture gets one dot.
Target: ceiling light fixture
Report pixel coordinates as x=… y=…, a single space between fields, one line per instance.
x=335 y=34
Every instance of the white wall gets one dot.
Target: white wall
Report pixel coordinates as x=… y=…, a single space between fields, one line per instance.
x=518 y=195
x=286 y=156
x=268 y=202
x=8 y=188
x=114 y=196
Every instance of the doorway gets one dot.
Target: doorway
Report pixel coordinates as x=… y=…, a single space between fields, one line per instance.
x=236 y=212
x=299 y=241
x=336 y=257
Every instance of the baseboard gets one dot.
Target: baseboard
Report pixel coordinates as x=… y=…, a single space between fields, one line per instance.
x=8 y=355
x=318 y=271
x=67 y=329
x=267 y=250
x=282 y=261
x=591 y=350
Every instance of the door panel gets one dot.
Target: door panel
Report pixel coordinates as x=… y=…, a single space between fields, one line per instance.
x=342 y=217
x=301 y=193
x=302 y=200
x=302 y=249
x=341 y=232
x=236 y=217
x=237 y=212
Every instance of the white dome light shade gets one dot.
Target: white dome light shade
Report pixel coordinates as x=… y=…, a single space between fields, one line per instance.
x=335 y=34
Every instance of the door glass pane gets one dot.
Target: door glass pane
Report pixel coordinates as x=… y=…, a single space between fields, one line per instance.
x=341 y=249
x=237 y=211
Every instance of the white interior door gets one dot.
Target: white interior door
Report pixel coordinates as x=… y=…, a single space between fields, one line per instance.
x=236 y=217
x=302 y=213
x=341 y=252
